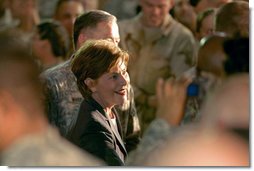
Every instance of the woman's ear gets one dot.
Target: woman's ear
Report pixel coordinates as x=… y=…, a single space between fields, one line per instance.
x=91 y=84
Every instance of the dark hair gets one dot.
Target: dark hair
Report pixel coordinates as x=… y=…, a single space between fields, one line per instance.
x=93 y=59
x=57 y=36
x=233 y=18
x=19 y=72
x=201 y=16
x=194 y=3
x=2 y=8
x=90 y=20
x=60 y=2
x=211 y=54
x=237 y=51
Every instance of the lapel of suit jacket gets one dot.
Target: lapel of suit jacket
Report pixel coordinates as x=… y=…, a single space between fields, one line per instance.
x=117 y=132
x=113 y=128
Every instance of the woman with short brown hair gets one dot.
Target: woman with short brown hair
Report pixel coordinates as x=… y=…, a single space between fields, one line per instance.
x=101 y=71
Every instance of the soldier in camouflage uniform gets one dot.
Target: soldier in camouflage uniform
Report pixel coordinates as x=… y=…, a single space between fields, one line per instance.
x=160 y=47
x=207 y=76
x=171 y=96
x=63 y=97
x=160 y=129
x=26 y=138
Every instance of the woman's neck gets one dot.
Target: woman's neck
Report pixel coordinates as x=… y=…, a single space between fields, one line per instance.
x=102 y=102
x=110 y=113
x=106 y=107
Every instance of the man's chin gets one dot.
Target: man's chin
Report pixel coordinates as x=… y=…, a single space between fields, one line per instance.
x=154 y=24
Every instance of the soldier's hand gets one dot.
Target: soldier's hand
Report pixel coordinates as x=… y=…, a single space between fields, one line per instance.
x=171 y=96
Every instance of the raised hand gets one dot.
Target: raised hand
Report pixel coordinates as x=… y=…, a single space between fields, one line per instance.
x=171 y=96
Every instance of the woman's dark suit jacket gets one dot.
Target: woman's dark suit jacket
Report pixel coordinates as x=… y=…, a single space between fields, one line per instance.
x=95 y=133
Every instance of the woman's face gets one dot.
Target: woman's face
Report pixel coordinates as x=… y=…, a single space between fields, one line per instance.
x=111 y=88
x=40 y=48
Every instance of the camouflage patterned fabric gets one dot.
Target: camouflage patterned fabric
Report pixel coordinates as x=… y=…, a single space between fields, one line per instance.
x=46 y=149
x=156 y=134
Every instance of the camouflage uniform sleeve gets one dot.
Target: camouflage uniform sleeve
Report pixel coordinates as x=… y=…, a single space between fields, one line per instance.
x=50 y=92
x=186 y=55
x=156 y=134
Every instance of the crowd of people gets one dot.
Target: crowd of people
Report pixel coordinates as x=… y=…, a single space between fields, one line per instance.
x=124 y=83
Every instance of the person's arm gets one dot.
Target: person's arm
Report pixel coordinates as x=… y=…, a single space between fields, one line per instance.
x=171 y=95
x=50 y=96
x=185 y=54
x=53 y=95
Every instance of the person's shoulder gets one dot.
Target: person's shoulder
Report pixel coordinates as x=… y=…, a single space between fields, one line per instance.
x=73 y=155
x=92 y=117
x=85 y=106
x=60 y=152
x=172 y=26
x=129 y=24
x=181 y=29
x=57 y=71
x=59 y=74
x=46 y=149
x=89 y=110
